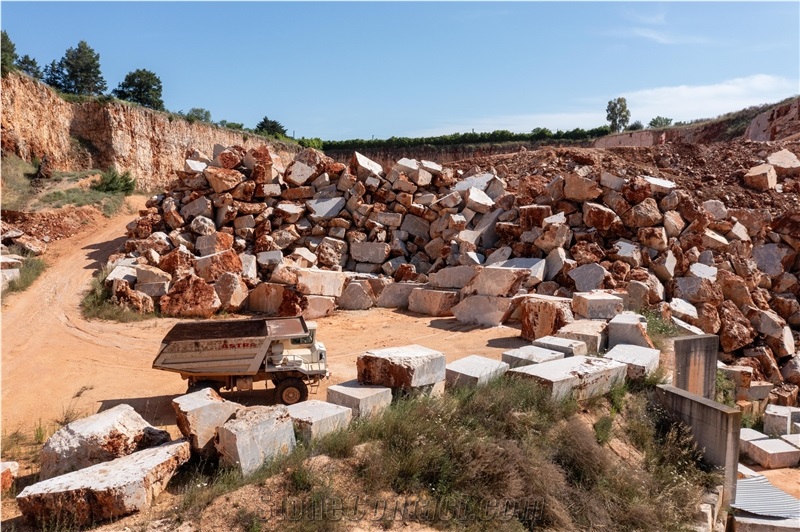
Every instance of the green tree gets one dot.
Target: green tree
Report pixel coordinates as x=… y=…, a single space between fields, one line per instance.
x=660 y=121
x=270 y=127
x=8 y=54
x=29 y=65
x=81 y=71
x=617 y=114
x=54 y=75
x=197 y=114
x=635 y=126
x=143 y=87
x=230 y=125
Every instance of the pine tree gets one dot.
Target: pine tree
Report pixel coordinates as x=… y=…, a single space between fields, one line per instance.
x=8 y=54
x=29 y=65
x=81 y=71
x=143 y=87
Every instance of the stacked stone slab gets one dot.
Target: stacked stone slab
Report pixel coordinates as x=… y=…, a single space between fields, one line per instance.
x=604 y=240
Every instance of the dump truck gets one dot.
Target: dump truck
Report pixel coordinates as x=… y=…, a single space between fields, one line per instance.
x=234 y=354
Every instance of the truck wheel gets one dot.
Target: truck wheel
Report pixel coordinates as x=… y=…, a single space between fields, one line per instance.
x=291 y=391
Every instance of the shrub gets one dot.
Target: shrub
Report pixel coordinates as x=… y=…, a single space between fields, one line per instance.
x=31 y=269
x=96 y=303
x=112 y=181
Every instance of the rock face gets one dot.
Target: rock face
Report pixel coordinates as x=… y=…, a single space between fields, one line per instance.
x=199 y=414
x=253 y=436
x=106 y=490
x=102 y=437
x=408 y=367
x=125 y=137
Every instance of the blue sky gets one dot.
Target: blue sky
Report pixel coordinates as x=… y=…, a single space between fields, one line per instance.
x=340 y=70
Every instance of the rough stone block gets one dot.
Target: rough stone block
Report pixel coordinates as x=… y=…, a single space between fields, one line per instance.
x=320 y=282
x=588 y=277
x=363 y=400
x=406 y=367
x=597 y=305
x=319 y=307
x=774 y=454
x=530 y=354
x=542 y=315
x=761 y=177
x=585 y=377
x=199 y=414
x=314 y=419
x=474 y=370
x=488 y=311
x=101 y=437
x=453 y=277
x=8 y=474
x=778 y=419
x=641 y=361
x=396 y=295
x=502 y=282
x=253 y=436
x=562 y=345
x=357 y=295
x=432 y=302
x=592 y=332
x=628 y=328
x=371 y=252
x=106 y=490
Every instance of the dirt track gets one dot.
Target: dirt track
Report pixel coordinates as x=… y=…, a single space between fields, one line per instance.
x=50 y=352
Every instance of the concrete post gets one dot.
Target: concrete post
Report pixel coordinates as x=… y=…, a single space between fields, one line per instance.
x=696 y=364
x=714 y=426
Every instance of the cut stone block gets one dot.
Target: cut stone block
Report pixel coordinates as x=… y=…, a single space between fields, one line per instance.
x=314 y=419
x=396 y=295
x=588 y=277
x=758 y=390
x=628 y=328
x=593 y=333
x=124 y=273
x=530 y=354
x=542 y=315
x=537 y=267
x=319 y=307
x=371 y=252
x=101 y=437
x=792 y=439
x=320 y=282
x=474 y=370
x=597 y=305
x=363 y=400
x=774 y=454
x=746 y=436
x=482 y=310
x=562 y=345
x=641 y=361
x=761 y=177
x=501 y=282
x=584 y=377
x=253 y=436
x=325 y=208
x=453 y=277
x=778 y=419
x=407 y=367
x=106 y=490
x=432 y=302
x=199 y=414
x=357 y=295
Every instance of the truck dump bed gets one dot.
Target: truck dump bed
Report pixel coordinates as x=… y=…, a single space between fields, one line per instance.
x=231 y=347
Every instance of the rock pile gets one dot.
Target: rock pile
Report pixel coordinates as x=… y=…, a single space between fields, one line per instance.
x=240 y=231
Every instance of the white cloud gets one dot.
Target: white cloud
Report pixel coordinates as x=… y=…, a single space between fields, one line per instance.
x=666 y=37
x=682 y=102
x=657 y=18
x=688 y=102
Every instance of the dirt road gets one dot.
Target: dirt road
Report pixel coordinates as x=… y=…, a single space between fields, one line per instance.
x=57 y=364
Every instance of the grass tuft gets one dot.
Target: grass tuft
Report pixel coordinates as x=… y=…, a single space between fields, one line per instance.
x=96 y=304
x=32 y=267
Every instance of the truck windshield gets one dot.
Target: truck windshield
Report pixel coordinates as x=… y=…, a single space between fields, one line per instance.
x=304 y=340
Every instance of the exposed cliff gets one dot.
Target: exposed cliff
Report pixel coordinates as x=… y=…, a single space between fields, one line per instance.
x=76 y=136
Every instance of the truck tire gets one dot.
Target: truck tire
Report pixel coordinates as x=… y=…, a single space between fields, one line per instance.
x=291 y=391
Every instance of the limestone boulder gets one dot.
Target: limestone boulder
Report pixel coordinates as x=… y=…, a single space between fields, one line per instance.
x=407 y=367
x=487 y=311
x=106 y=490
x=498 y=282
x=222 y=179
x=253 y=436
x=761 y=177
x=102 y=437
x=785 y=163
x=542 y=316
x=357 y=295
x=431 y=302
x=579 y=188
x=199 y=414
x=211 y=267
x=190 y=297
x=232 y=291
x=8 y=474
x=735 y=329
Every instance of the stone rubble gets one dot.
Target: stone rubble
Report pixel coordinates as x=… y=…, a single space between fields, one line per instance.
x=467 y=244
